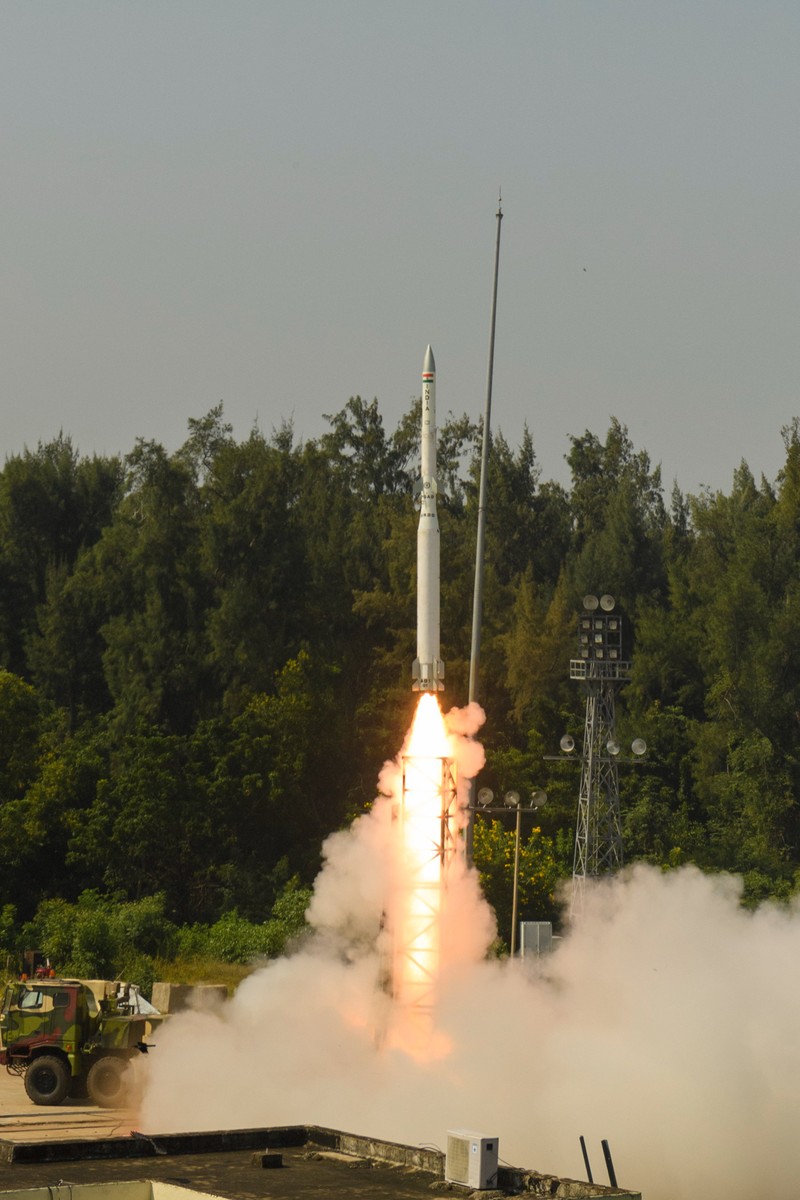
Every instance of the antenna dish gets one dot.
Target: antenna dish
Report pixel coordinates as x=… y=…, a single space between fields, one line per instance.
x=607 y=603
x=639 y=747
x=590 y=603
x=567 y=743
x=485 y=797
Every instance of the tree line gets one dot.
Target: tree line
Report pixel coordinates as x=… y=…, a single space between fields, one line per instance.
x=205 y=655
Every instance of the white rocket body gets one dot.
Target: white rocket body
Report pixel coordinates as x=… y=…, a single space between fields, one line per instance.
x=428 y=668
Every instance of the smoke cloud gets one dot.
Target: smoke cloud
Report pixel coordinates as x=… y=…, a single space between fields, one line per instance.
x=664 y=1021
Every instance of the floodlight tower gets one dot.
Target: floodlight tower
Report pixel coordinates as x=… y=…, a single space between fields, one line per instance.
x=602 y=668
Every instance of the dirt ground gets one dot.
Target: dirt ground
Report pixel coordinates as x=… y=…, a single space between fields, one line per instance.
x=21 y=1119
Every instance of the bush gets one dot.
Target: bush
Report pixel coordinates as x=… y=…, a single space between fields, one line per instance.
x=8 y=922
x=94 y=946
x=102 y=938
x=144 y=924
x=192 y=942
x=234 y=939
x=52 y=931
x=99 y=938
x=138 y=968
x=288 y=917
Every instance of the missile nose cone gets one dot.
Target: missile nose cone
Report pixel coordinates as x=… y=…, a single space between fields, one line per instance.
x=428 y=366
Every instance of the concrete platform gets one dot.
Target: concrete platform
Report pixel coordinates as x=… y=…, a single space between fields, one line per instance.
x=77 y=1143
x=314 y=1163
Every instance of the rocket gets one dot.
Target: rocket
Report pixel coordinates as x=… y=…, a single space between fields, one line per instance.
x=428 y=669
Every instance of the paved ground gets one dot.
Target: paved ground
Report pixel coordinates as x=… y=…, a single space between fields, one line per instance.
x=21 y=1119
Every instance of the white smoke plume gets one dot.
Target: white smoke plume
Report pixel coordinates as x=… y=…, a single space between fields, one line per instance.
x=665 y=1021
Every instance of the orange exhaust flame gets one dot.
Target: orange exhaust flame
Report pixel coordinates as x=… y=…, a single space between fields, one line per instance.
x=425 y=842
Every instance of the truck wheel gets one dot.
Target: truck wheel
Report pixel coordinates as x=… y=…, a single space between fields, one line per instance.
x=47 y=1080
x=106 y=1082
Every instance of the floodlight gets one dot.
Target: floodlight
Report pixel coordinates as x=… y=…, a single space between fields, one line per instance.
x=607 y=602
x=538 y=798
x=590 y=603
x=567 y=743
x=612 y=747
x=485 y=797
x=639 y=746
x=511 y=799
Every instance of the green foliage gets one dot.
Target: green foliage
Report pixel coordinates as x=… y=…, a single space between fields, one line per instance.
x=101 y=938
x=8 y=923
x=233 y=939
x=205 y=657
x=494 y=854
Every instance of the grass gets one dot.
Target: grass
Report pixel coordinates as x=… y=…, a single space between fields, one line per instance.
x=203 y=970
x=180 y=970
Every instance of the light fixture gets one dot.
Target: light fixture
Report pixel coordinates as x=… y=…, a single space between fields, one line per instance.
x=612 y=747
x=590 y=603
x=538 y=798
x=567 y=743
x=639 y=746
x=511 y=799
x=485 y=797
x=607 y=603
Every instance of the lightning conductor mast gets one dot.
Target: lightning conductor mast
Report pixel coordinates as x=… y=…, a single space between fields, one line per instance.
x=428 y=669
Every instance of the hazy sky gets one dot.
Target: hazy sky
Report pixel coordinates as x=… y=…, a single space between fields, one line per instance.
x=279 y=204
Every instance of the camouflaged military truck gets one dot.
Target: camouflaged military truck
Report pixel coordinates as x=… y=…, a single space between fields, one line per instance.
x=73 y=1037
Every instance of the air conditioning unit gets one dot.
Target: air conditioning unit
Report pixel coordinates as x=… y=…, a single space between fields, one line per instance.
x=471 y=1159
x=536 y=937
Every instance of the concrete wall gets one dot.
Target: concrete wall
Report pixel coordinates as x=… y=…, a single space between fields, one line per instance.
x=176 y=997
x=509 y=1179
x=134 y=1189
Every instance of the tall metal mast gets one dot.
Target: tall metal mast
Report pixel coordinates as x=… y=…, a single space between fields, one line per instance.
x=477 y=602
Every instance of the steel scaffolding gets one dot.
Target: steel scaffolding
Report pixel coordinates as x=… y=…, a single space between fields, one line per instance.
x=601 y=668
x=428 y=832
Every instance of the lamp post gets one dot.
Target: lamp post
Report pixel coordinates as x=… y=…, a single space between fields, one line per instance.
x=512 y=800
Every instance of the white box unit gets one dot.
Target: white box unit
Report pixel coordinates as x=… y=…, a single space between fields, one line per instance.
x=471 y=1159
x=536 y=937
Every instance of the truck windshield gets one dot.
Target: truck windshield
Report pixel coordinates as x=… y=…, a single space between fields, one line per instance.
x=30 y=998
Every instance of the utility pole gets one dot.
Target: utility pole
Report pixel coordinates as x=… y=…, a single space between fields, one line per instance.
x=477 y=601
